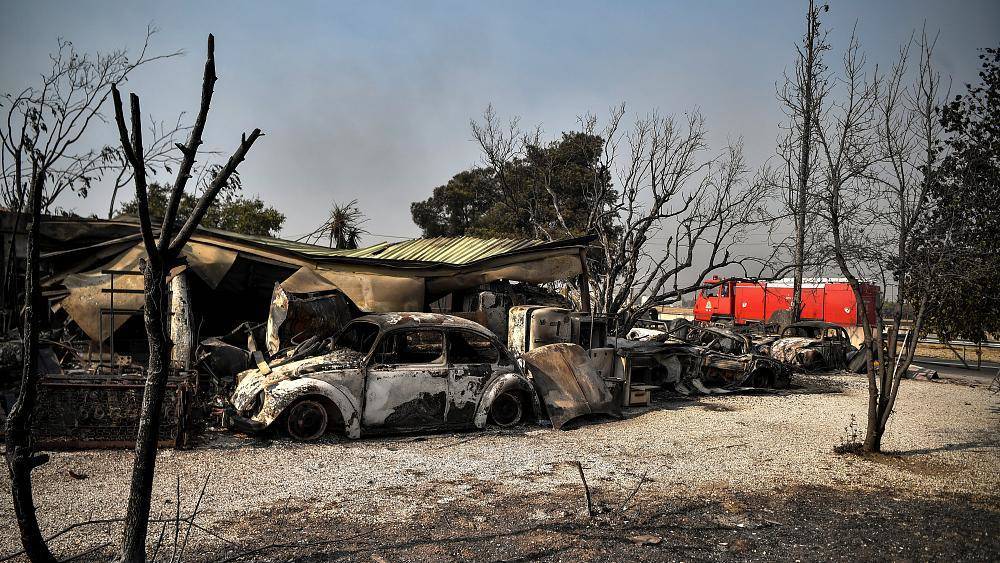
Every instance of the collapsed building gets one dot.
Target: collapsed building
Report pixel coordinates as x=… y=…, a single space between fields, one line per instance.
x=263 y=293
x=242 y=304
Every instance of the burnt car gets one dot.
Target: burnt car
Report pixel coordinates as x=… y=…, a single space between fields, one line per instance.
x=695 y=359
x=390 y=372
x=733 y=359
x=813 y=345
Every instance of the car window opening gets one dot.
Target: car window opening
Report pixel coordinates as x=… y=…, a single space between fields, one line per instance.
x=411 y=347
x=470 y=348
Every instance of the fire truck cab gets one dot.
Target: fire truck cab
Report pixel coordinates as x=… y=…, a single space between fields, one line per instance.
x=823 y=299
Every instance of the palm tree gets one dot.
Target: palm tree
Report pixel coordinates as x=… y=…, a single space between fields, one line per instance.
x=342 y=229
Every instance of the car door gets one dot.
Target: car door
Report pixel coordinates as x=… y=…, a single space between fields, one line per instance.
x=406 y=386
x=472 y=359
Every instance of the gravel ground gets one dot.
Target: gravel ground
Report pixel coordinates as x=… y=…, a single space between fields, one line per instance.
x=748 y=467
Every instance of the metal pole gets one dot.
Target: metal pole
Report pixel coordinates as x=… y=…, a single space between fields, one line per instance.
x=112 y=340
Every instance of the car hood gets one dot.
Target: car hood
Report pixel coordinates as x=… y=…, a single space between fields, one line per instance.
x=784 y=349
x=253 y=381
x=570 y=386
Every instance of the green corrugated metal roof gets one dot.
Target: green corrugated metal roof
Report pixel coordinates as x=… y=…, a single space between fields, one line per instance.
x=445 y=250
x=449 y=250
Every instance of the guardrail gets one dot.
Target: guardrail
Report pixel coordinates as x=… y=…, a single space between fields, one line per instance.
x=992 y=344
x=962 y=357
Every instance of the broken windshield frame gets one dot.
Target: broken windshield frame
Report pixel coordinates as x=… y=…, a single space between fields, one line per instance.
x=358 y=336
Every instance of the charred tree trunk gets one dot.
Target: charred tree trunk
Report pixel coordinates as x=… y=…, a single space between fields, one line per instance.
x=155 y=316
x=876 y=371
x=873 y=437
x=161 y=255
x=808 y=94
x=21 y=457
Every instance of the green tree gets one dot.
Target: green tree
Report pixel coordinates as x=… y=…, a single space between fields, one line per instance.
x=231 y=210
x=456 y=208
x=964 y=300
x=542 y=192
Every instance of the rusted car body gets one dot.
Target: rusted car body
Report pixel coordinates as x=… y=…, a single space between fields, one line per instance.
x=813 y=345
x=697 y=360
x=733 y=359
x=391 y=372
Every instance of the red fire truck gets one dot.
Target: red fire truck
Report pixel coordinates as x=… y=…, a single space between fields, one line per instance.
x=823 y=299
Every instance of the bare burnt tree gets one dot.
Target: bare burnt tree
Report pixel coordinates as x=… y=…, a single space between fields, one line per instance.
x=21 y=456
x=53 y=115
x=909 y=132
x=161 y=255
x=671 y=212
x=678 y=213
x=42 y=127
x=48 y=120
x=879 y=149
x=801 y=97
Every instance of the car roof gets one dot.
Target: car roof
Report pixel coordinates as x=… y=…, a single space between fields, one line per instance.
x=389 y=321
x=720 y=332
x=814 y=324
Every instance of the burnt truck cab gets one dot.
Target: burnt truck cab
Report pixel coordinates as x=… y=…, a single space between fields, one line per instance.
x=390 y=372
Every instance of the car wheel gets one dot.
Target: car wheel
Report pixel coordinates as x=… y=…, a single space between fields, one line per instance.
x=306 y=420
x=506 y=410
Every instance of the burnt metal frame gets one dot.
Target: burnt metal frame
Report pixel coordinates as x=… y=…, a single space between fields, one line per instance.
x=112 y=313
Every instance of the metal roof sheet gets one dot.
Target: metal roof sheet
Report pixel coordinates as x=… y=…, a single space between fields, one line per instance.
x=449 y=250
x=452 y=251
x=443 y=250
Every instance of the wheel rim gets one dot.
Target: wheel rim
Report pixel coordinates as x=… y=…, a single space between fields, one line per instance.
x=506 y=410
x=307 y=420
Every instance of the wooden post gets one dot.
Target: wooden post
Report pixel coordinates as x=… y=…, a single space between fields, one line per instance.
x=181 y=322
x=584 y=282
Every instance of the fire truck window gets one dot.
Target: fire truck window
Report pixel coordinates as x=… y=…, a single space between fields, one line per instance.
x=724 y=290
x=708 y=292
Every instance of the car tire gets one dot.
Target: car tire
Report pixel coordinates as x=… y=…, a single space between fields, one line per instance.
x=506 y=410
x=306 y=420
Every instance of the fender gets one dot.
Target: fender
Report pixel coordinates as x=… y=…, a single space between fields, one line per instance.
x=505 y=382
x=283 y=394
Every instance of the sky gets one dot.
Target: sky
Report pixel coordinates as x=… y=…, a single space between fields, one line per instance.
x=372 y=100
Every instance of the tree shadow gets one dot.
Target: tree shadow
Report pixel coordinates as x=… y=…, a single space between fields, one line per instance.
x=973 y=445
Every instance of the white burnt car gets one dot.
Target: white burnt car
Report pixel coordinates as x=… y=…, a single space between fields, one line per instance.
x=813 y=345
x=390 y=372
